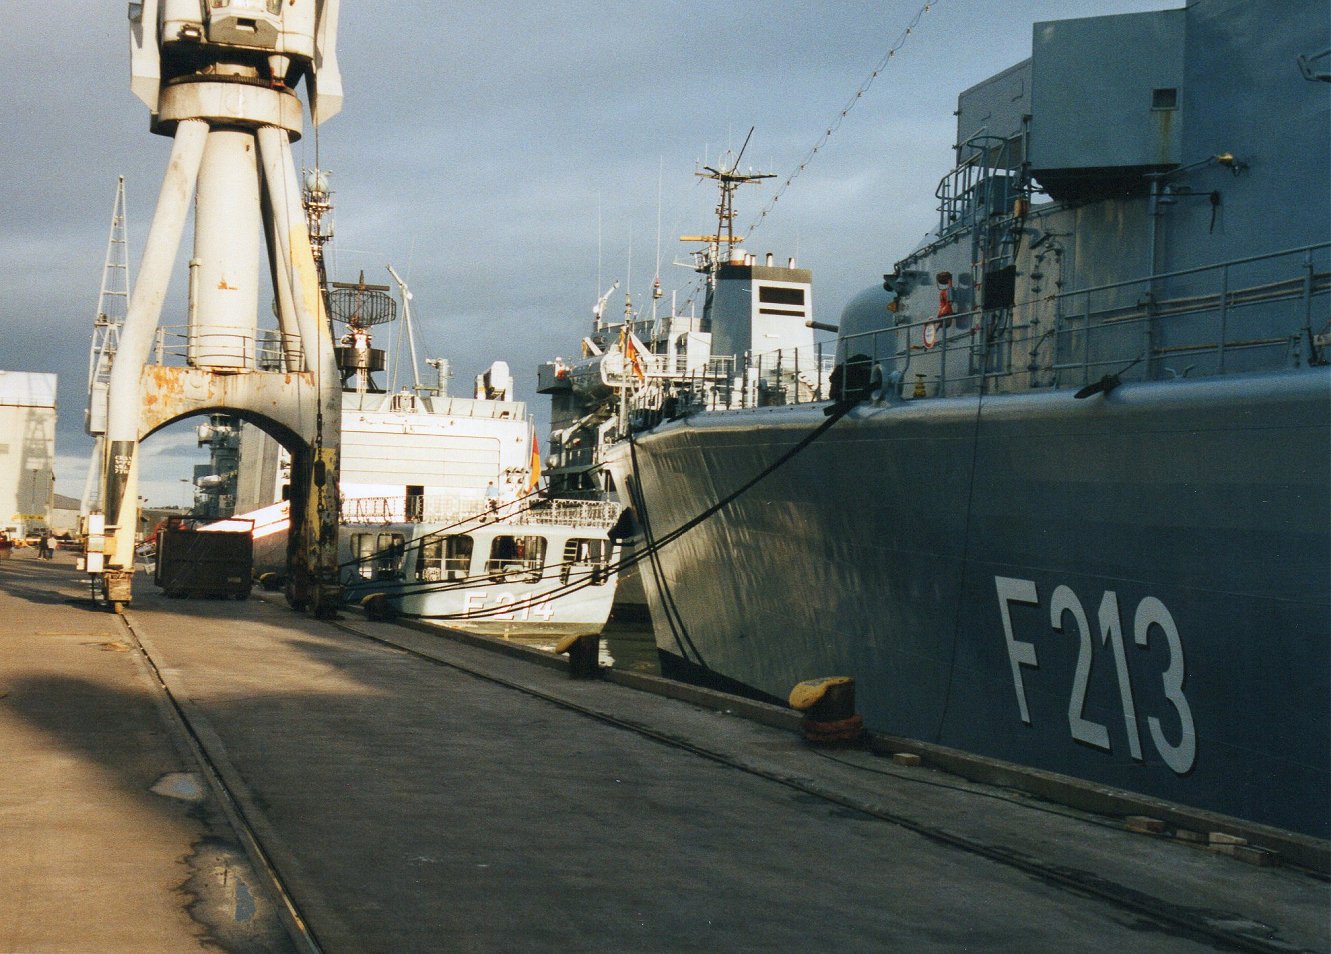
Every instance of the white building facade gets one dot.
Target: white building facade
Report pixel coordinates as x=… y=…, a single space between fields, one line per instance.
x=27 y=450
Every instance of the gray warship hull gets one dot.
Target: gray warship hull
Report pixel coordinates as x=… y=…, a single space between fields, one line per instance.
x=1133 y=590
x=1078 y=514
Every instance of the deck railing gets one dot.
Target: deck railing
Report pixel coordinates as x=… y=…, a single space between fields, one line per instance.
x=264 y=350
x=787 y=376
x=1264 y=312
x=460 y=510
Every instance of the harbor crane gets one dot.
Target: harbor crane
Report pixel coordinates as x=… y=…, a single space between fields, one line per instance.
x=220 y=80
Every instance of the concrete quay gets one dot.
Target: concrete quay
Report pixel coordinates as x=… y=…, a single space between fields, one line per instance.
x=205 y=775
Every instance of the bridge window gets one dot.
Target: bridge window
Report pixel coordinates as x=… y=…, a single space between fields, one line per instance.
x=444 y=558
x=776 y=300
x=516 y=558
x=583 y=555
x=378 y=556
x=777 y=295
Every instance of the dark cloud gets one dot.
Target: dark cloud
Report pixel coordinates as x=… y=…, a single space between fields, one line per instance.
x=480 y=146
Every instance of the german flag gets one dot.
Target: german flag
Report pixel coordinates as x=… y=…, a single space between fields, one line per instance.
x=534 y=474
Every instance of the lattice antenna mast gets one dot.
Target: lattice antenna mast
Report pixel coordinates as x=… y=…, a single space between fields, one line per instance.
x=728 y=178
x=317 y=200
x=112 y=307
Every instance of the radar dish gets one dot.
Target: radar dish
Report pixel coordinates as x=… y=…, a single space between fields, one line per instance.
x=360 y=305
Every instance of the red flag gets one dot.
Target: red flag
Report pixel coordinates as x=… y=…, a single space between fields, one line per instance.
x=634 y=358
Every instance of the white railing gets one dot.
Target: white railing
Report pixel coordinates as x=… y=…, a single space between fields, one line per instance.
x=1264 y=312
x=455 y=509
x=786 y=376
x=264 y=350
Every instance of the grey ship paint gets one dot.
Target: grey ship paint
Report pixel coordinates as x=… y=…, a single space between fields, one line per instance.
x=1132 y=586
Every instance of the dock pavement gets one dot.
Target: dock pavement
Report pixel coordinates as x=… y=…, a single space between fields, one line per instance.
x=224 y=775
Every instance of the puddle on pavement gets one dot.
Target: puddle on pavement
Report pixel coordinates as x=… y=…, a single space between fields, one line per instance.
x=244 y=902
x=185 y=786
x=229 y=902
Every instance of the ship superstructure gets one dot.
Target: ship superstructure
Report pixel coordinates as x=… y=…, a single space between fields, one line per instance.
x=431 y=482
x=644 y=368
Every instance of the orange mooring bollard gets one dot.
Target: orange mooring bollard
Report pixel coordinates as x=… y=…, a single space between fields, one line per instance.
x=828 y=705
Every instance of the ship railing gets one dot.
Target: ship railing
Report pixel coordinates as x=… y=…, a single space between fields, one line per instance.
x=573 y=513
x=457 y=509
x=1263 y=312
x=679 y=366
x=264 y=350
x=445 y=405
x=574 y=456
x=983 y=183
x=788 y=376
x=670 y=368
x=767 y=379
x=411 y=508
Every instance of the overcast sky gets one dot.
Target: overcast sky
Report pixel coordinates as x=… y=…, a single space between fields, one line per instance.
x=480 y=145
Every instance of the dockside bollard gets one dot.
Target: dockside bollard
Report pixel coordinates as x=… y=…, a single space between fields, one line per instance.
x=377 y=607
x=828 y=705
x=583 y=651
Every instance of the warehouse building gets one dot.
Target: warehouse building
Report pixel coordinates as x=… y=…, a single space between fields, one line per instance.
x=27 y=451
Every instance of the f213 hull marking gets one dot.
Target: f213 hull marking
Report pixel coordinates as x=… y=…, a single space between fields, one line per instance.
x=1067 y=617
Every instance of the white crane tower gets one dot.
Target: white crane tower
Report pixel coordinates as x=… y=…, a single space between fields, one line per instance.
x=219 y=78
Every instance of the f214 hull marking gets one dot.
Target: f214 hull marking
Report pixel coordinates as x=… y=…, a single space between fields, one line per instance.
x=1151 y=616
x=475 y=602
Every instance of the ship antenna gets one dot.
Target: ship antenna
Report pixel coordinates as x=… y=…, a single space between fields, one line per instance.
x=405 y=292
x=728 y=178
x=598 y=261
x=656 y=279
